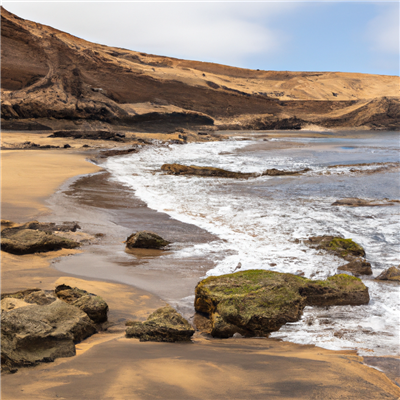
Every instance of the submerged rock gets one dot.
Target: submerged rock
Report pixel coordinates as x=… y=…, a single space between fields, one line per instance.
x=178 y=169
x=358 y=266
x=344 y=248
x=257 y=302
x=94 y=306
x=21 y=240
x=163 y=325
x=145 y=240
x=355 y=202
x=34 y=334
x=390 y=274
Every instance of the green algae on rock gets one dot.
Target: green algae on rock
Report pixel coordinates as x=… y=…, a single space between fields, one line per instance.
x=257 y=302
x=344 y=248
x=163 y=325
x=390 y=274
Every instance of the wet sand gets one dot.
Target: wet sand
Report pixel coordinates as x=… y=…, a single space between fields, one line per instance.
x=109 y=366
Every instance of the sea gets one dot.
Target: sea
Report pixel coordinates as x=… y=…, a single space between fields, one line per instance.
x=262 y=222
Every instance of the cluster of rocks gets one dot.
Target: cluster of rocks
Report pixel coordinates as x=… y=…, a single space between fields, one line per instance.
x=343 y=248
x=257 y=302
x=42 y=325
x=93 y=135
x=34 y=237
x=193 y=170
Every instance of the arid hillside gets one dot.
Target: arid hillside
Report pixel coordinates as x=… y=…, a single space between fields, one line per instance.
x=52 y=80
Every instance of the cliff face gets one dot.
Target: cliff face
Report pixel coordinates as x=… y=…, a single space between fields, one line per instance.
x=50 y=78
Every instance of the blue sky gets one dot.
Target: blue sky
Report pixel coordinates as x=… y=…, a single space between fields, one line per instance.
x=295 y=36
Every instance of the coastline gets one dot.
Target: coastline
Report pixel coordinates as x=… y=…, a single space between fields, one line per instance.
x=179 y=371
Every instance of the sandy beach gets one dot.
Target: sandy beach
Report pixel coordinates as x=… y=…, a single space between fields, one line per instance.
x=39 y=184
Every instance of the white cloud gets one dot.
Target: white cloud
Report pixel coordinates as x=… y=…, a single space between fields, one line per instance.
x=220 y=32
x=383 y=31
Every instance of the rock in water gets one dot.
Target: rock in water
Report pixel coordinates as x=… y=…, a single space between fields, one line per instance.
x=27 y=241
x=94 y=306
x=257 y=302
x=344 y=248
x=145 y=240
x=34 y=334
x=164 y=325
x=178 y=169
x=357 y=267
x=390 y=274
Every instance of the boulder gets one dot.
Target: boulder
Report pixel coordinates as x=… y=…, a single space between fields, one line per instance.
x=145 y=240
x=257 y=302
x=164 y=325
x=94 y=306
x=344 y=248
x=34 y=334
x=27 y=241
x=358 y=266
x=390 y=274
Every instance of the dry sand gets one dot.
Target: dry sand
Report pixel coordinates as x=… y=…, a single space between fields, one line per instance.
x=109 y=366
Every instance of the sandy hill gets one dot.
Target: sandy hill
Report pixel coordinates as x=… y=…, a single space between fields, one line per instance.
x=52 y=79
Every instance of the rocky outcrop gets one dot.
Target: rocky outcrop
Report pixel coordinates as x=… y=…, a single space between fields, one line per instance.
x=340 y=247
x=94 y=306
x=358 y=266
x=34 y=334
x=163 y=325
x=390 y=274
x=27 y=241
x=145 y=240
x=257 y=302
x=355 y=202
x=178 y=169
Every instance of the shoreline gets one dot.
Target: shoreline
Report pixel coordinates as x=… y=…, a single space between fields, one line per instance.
x=127 y=301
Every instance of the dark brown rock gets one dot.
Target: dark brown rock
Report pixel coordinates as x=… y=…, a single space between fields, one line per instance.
x=178 y=169
x=355 y=202
x=278 y=172
x=94 y=306
x=358 y=266
x=257 y=302
x=164 y=325
x=145 y=240
x=390 y=274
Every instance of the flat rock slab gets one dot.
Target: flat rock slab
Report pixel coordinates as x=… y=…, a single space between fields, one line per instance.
x=257 y=302
x=164 y=325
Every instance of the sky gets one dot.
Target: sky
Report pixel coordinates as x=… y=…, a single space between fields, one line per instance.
x=342 y=36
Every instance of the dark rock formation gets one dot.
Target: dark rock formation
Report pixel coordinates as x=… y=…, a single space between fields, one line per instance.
x=358 y=266
x=118 y=152
x=390 y=274
x=355 y=202
x=164 y=325
x=344 y=248
x=94 y=306
x=93 y=135
x=278 y=172
x=27 y=241
x=34 y=334
x=257 y=302
x=145 y=240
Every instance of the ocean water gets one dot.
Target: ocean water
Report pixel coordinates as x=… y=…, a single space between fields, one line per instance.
x=258 y=221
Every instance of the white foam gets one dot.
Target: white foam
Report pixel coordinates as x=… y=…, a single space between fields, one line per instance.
x=258 y=230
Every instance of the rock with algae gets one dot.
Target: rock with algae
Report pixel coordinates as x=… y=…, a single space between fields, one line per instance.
x=163 y=325
x=257 y=302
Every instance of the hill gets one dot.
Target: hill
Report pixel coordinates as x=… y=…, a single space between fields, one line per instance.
x=51 y=79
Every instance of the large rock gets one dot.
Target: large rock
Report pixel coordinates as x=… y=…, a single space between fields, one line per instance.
x=94 y=306
x=27 y=241
x=358 y=266
x=344 y=248
x=390 y=274
x=34 y=334
x=164 y=325
x=178 y=169
x=257 y=302
x=145 y=240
